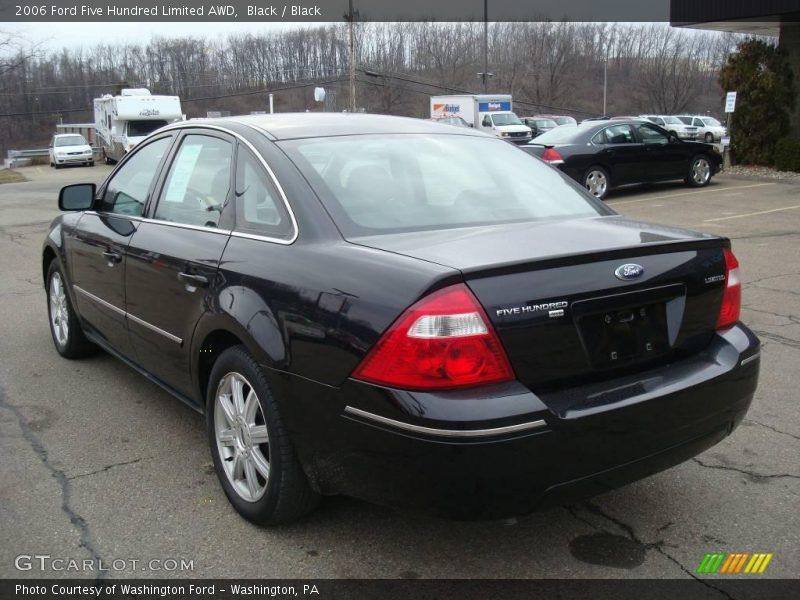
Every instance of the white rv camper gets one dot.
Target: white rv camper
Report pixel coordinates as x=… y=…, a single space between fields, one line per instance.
x=123 y=121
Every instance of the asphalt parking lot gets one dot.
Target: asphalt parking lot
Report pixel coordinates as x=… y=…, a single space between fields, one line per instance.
x=100 y=463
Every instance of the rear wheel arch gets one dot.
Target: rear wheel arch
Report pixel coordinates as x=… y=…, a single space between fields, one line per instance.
x=48 y=256
x=206 y=353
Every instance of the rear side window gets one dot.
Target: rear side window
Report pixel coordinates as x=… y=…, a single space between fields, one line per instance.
x=651 y=135
x=126 y=193
x=259 y=207
x=198 y=183
x=620 y=134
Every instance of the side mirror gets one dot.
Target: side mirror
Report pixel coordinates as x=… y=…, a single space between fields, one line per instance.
x=79 y=196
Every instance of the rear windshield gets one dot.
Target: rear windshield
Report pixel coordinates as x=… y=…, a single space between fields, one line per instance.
x=139 y=128
x=711 y=122
x=545 y=123
x=566 y=121
x=70 y=140
x=673 y=121
x=389 y=183
x=560 y=135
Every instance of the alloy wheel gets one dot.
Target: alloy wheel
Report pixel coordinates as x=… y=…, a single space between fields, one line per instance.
x=241 y=434
x=701 y=171
x=59 y=311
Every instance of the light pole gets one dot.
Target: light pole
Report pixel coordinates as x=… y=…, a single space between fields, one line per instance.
x=352 y=60
x=605 y=81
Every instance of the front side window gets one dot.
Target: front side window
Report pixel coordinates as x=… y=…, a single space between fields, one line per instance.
x=196 y=189
x=651 y=135
x=620 y=134
x=375 y=184
x=126 y=193
x=506 y=119
x=259 y=208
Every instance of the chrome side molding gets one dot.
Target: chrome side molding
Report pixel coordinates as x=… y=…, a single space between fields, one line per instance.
x=444 y=433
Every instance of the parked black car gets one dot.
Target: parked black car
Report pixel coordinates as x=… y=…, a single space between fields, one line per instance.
x=415 y=315
x=539 y=125
x=605 y=154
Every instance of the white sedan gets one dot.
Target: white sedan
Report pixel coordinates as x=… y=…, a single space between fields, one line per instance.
x=70 y=149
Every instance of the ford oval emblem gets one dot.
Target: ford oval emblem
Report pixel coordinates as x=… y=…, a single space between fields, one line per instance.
x=629 y=271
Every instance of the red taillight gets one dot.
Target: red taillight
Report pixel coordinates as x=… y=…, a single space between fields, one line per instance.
x=443 y=341
x=552 y=156
x=732 y=298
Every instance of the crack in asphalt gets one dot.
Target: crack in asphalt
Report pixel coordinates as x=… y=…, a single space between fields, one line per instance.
x=106 y=468
x=771 y=289
x=783 y=341
x=791 y=318
x=629 y=530
x=745 y=471
x=775 y=429
x=80 y=523
x=767 y=277
x=766 y=235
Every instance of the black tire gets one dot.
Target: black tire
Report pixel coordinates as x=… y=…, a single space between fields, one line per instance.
x=74 y=344
x=709 y=138
x=699 y=175
x=57 y=166
x=90 y=164
x=597 y=181
x=287 y=495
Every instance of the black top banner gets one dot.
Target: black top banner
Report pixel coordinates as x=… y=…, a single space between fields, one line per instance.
x=332 y=10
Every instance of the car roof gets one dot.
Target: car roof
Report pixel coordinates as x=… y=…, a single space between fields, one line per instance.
x=285 y=126
x=66 y=134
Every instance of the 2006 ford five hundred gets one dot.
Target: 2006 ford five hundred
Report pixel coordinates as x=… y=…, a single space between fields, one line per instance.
x=409 y=313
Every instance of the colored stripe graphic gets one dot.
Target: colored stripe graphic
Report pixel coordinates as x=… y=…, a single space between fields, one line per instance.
x=733 y=563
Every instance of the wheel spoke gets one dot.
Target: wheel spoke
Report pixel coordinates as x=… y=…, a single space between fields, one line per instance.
x=260 y=463
x=237 y=469
x=224 y=402
x=258 y=434
x=252 y=480
x=226 y=437
x=250 y=407
x=237 y=395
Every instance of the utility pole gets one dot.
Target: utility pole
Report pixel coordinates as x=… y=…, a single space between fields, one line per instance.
x=605 y=82
x=485 y=74
x=485 y=42
x=351 y=18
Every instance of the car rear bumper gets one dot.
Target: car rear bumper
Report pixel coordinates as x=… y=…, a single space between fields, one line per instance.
x=504 y=450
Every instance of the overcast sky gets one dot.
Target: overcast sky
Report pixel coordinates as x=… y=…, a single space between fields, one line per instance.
x=55 y=36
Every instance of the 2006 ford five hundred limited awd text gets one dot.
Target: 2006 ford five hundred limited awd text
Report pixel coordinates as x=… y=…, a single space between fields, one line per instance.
x=402 y=311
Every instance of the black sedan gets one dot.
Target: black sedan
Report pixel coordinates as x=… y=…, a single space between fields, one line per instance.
x=602 y=155
x=416 y=315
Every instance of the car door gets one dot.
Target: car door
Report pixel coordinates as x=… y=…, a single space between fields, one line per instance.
x=621 y=152
x=174 y=256
x=663 y=158
x=97 y=247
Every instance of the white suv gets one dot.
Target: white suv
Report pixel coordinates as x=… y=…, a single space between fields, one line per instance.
x=673 y=125
x=708 y=128
x=70 y=149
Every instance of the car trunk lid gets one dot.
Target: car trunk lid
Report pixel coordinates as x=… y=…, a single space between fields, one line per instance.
x=562 y=302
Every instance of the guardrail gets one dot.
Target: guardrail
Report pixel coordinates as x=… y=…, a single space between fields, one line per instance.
x=21 y=158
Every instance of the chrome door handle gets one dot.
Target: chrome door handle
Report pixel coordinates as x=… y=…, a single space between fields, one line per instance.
x=193 y=281
x=112 y=258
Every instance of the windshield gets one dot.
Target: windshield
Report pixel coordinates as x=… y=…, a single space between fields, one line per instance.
x=711 y=122
x=560 y=135
x=70 y=140
x=141 y=128
x=506 y=119
x=566 y=121
x=546 y=123
x=388 y=183
x=673 y=120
